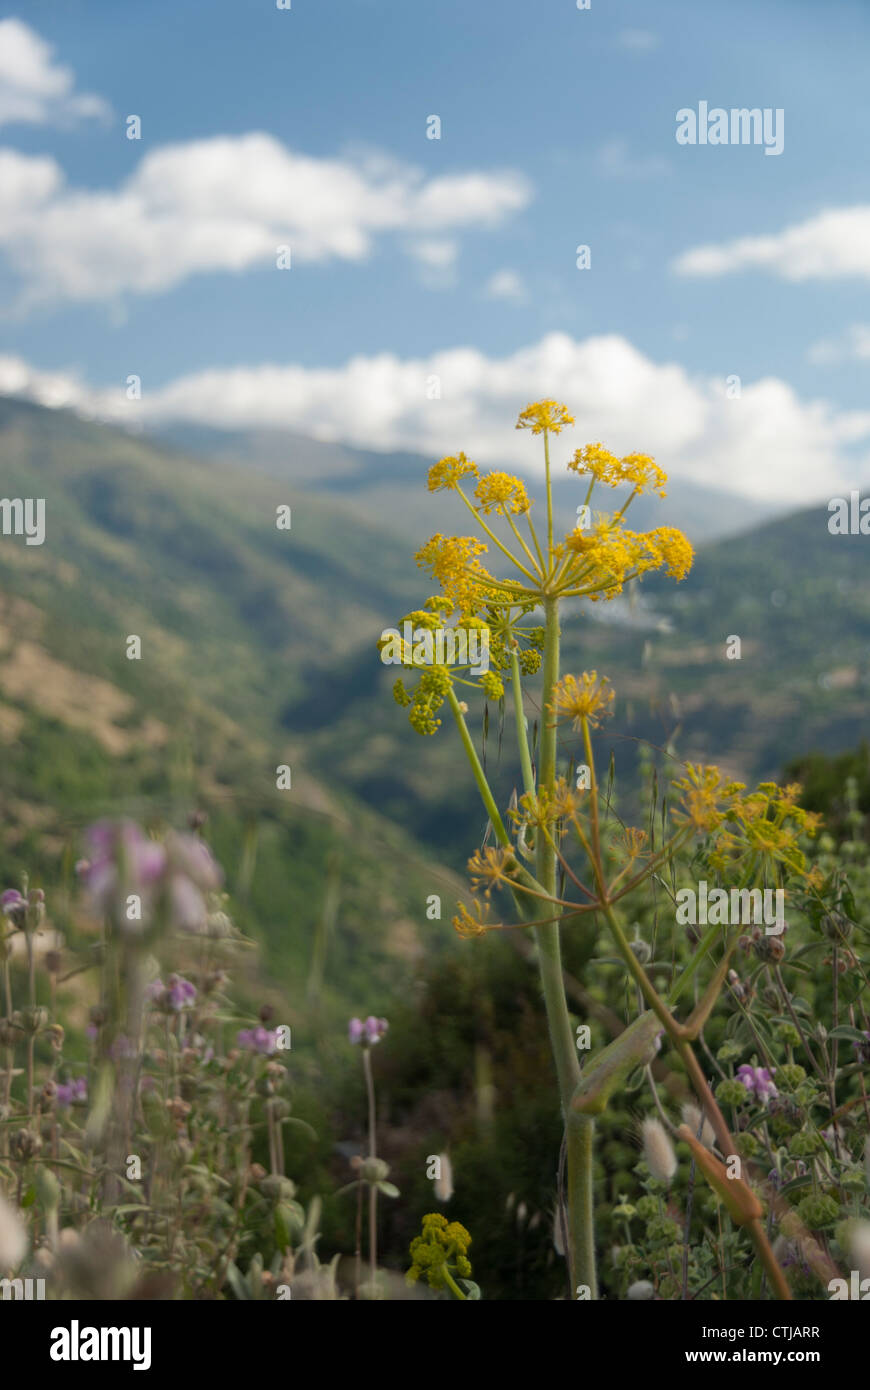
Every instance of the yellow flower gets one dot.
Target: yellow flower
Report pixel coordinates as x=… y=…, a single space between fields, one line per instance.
x=449 y=472
x=588 y=698
x=638 y=469
x=465 y=924
x=544 y=415
x=453 y=561
x=566 y=802
x=633 y=842
x=610 y=553
x=489 y=867
x=675 y=551
x=440 y=1252
x=703 y=792
x=501 y=492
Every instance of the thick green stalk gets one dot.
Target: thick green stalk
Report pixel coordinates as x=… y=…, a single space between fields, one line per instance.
x=578 y=1131
x=579 y=1146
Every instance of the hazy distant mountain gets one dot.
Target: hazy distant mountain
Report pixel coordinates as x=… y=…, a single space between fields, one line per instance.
x=391 y=487
x=259 y=649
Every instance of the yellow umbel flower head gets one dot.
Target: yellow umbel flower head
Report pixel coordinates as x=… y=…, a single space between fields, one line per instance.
x=705 y=797
x=641 y=471
x=502 y=493
x=452 y=560
x=609 y=553
x=674 y=550
x=449 y=472
x=468 y=924
x=587 y=698
x=487 y=868
x=440 y=1252
x=544 y=415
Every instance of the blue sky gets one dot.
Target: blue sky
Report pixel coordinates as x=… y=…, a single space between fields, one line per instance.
x=562 y=122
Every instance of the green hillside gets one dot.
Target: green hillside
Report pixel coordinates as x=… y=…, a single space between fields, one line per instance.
x=258 y=650
x=235 y=618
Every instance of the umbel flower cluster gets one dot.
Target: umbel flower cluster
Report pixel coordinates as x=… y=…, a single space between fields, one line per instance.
x=562 y=863
x=595 y=561
x=440 y=1253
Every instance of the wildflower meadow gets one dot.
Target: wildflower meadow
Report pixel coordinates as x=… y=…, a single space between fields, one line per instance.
x=704 y=1083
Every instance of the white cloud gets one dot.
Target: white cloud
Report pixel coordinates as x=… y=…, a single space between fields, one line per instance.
x=53 y=389
x=833 y=245
x=768 y=444
x=34 y=89
x=505 y=284
x=851 y=346
x=226 y=204
x=438 y=255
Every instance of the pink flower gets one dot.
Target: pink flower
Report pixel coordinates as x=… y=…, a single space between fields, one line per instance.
x=178 y=994
x=758 y=1082
x=68 y=1092
x=258 y=1039
x=124 y=862
x=367 y=1033
x=14 y=906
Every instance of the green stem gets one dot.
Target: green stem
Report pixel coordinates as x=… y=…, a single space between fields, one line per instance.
x=549 y=498
x=475 y=511
x=522 y=736
x=373 y=1191
x=578 y=1136
x=486 y=795
x=580 y=1140
x=452 y=1285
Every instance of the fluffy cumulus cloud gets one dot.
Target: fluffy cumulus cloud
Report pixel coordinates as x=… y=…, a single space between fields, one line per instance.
x=766 y=444
x=34 y=89
x=833 y=245
x=227 y=204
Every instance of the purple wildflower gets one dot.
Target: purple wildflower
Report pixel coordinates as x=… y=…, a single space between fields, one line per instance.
x=178 y=994
x=376 y=1028
x=258 y=1039
x=124 y=861
x=68 y=1092
x=369 y=1032
x=14 y=906
x=181 y=993
x=758 y=1082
